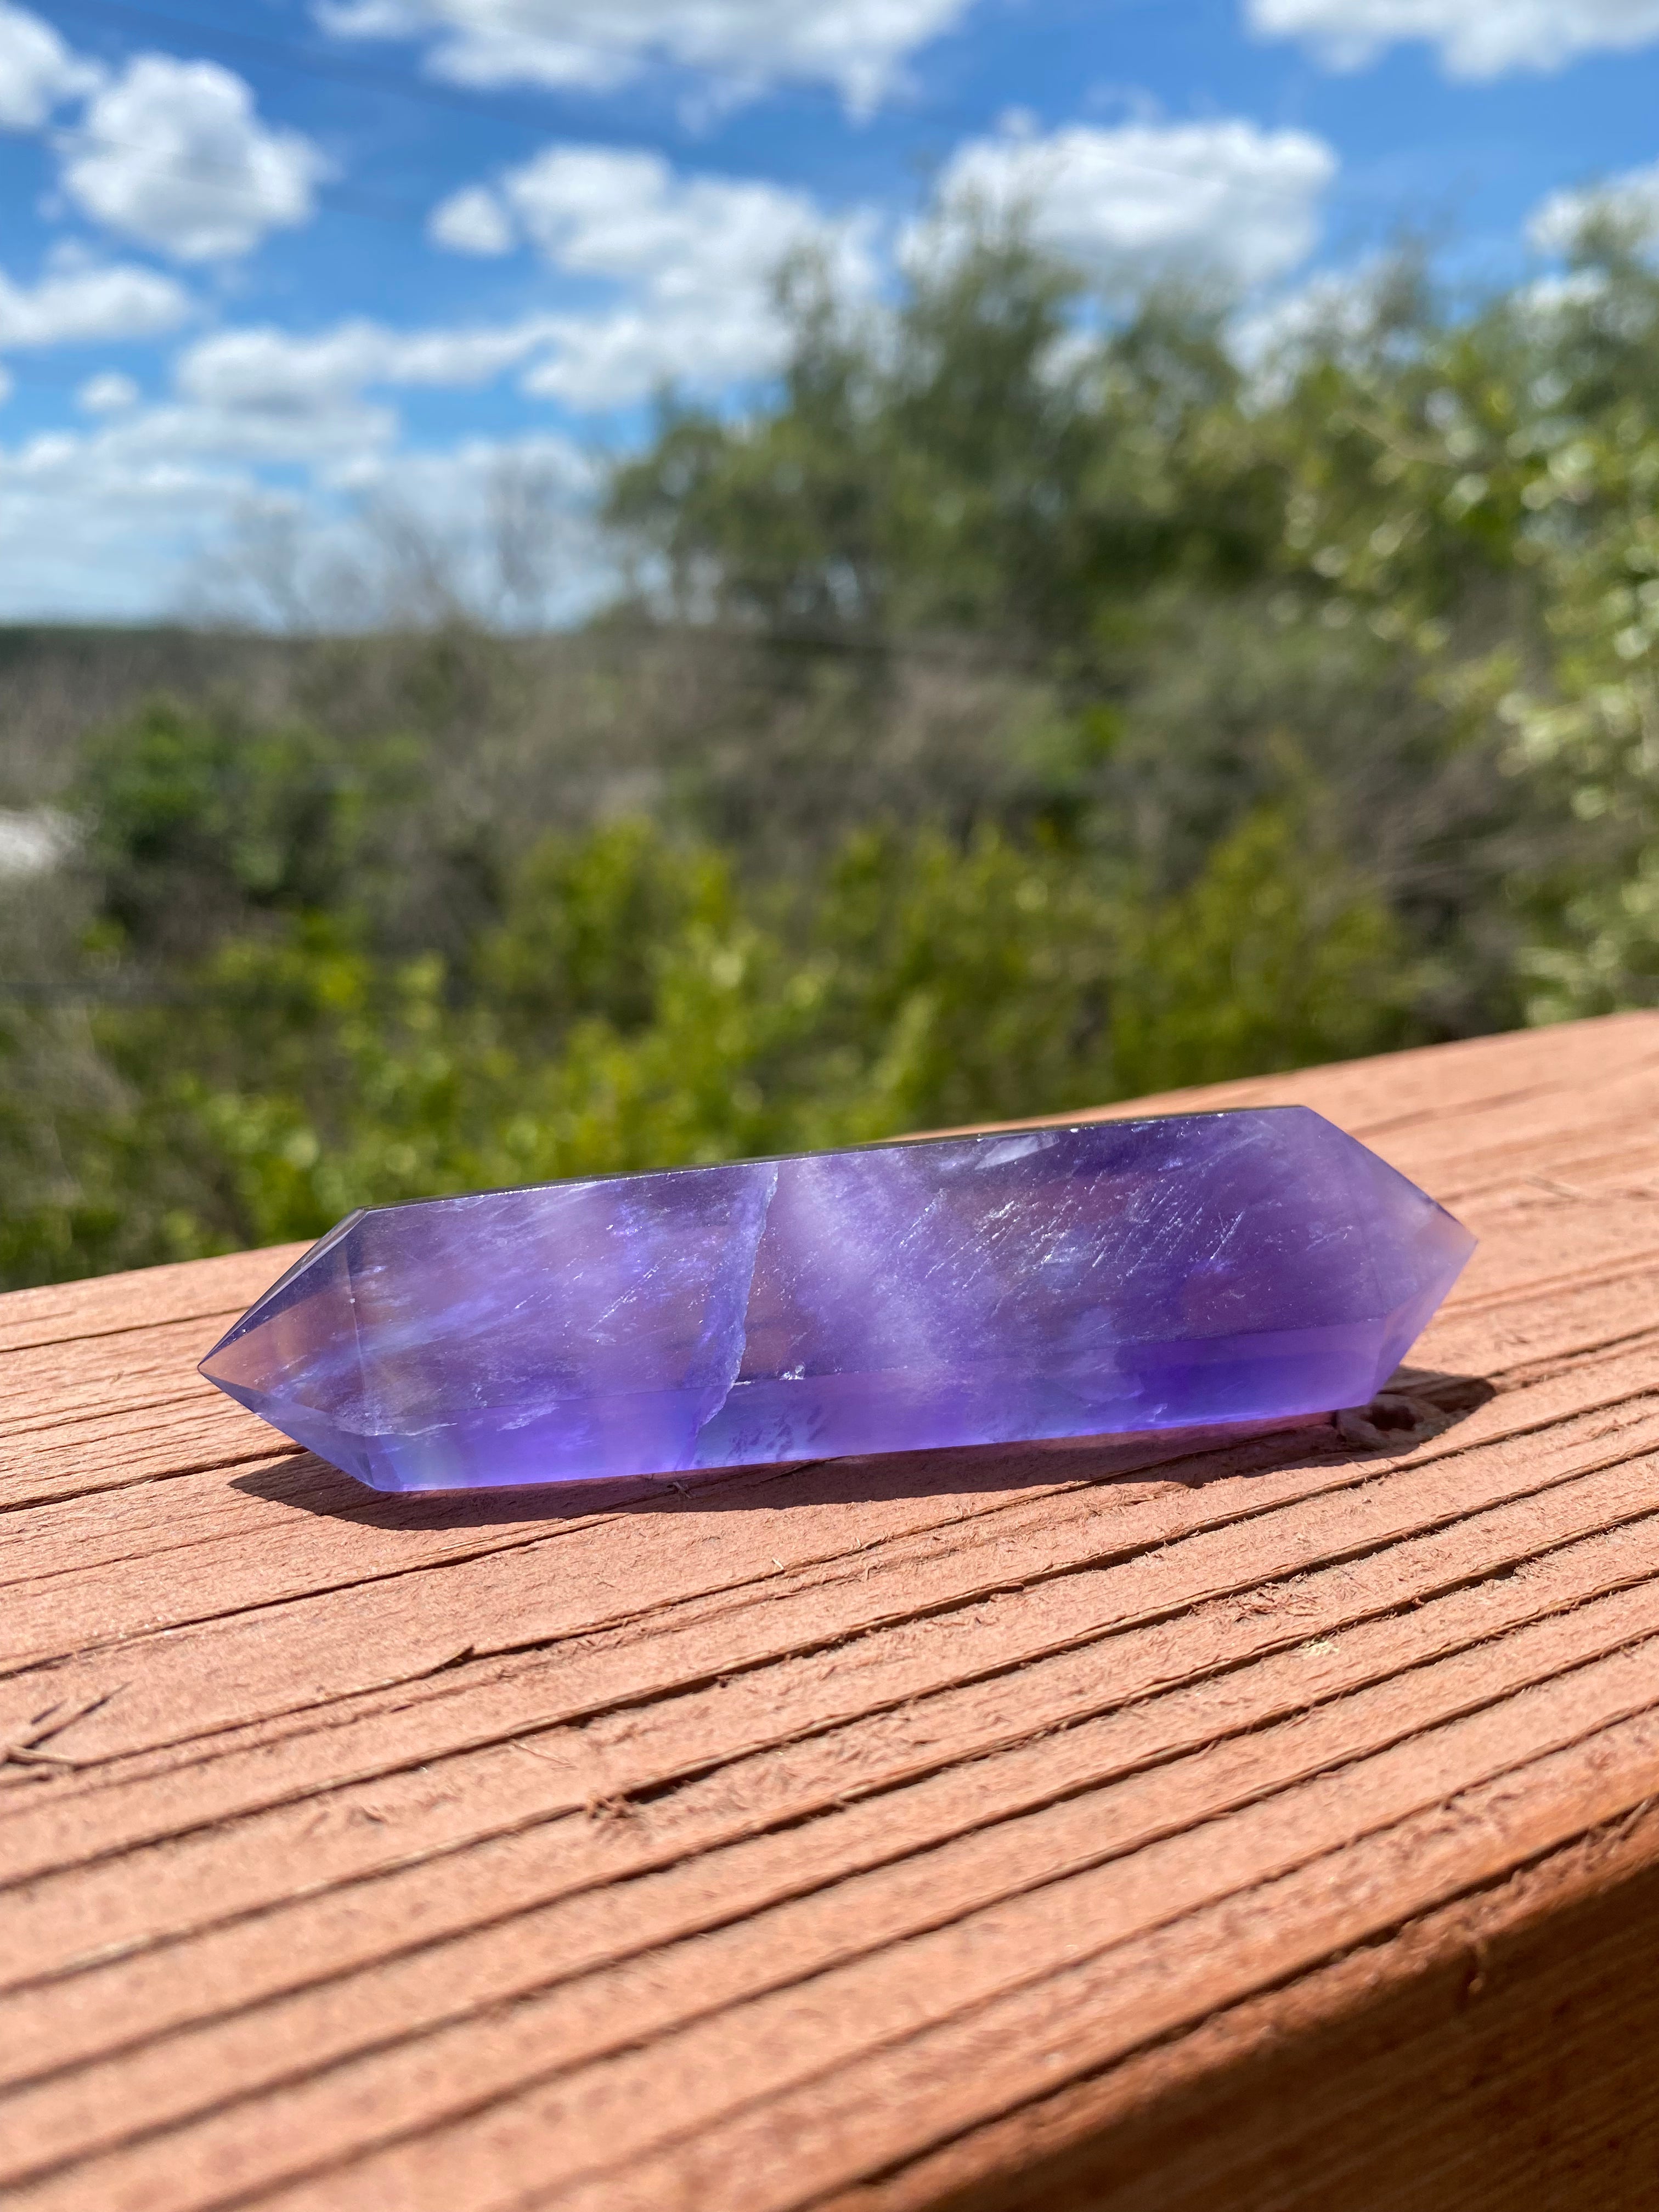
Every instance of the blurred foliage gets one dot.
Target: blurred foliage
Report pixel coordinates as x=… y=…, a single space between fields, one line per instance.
x=1027 y=703
x=635 y=1007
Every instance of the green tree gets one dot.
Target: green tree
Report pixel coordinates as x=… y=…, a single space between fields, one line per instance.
x=1024 y=703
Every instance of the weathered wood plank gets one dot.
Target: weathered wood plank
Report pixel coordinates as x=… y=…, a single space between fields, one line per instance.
x=967 y=1828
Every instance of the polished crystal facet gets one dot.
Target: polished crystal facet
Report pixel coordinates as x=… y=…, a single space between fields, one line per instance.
x=1067 y=1282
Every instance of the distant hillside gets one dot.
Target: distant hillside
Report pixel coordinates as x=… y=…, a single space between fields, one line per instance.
x=58 y=680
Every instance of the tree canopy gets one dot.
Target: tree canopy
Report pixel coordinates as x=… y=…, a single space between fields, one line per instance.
x=1026 y=700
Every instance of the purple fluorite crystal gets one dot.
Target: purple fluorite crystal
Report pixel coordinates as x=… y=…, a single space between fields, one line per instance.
x=1117 y=1275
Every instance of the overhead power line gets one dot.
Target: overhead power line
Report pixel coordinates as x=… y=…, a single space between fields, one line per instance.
x=285 y=53
x=347 y=199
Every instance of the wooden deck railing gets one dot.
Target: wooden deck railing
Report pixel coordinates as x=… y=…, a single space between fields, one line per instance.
x=1143 y=1826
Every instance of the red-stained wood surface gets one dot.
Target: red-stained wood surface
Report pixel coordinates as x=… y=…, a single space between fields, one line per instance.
x=1246 y=1819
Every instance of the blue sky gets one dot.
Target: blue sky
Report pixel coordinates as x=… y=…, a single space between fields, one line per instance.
x=261 y=268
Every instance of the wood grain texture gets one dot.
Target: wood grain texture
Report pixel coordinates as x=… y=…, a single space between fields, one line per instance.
x=1247 y=1819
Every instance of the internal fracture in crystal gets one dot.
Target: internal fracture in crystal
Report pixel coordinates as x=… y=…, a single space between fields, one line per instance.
x=1063 y=1282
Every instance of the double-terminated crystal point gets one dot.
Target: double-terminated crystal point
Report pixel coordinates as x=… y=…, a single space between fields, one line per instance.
x=1064 y=1282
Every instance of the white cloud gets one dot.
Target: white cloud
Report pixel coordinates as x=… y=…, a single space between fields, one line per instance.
x=501 y=528
x=7 y=387
x=161 y=477
x=439 y=484
x=272 y=373
x=37 y=70
x=471 y=220
x=604 y=213
x=132 y=518
x=76 y=306
x=109 y=393
x=114 y=516
x=693 y=259
x=1333 y=310
x=1474 y=38
x=262 y=396
x=94 y=522
x=1631 y=199
x=858 y=45
x=174 y=154
x=1334 y=314
x=106 y=520
x=1221 y=199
